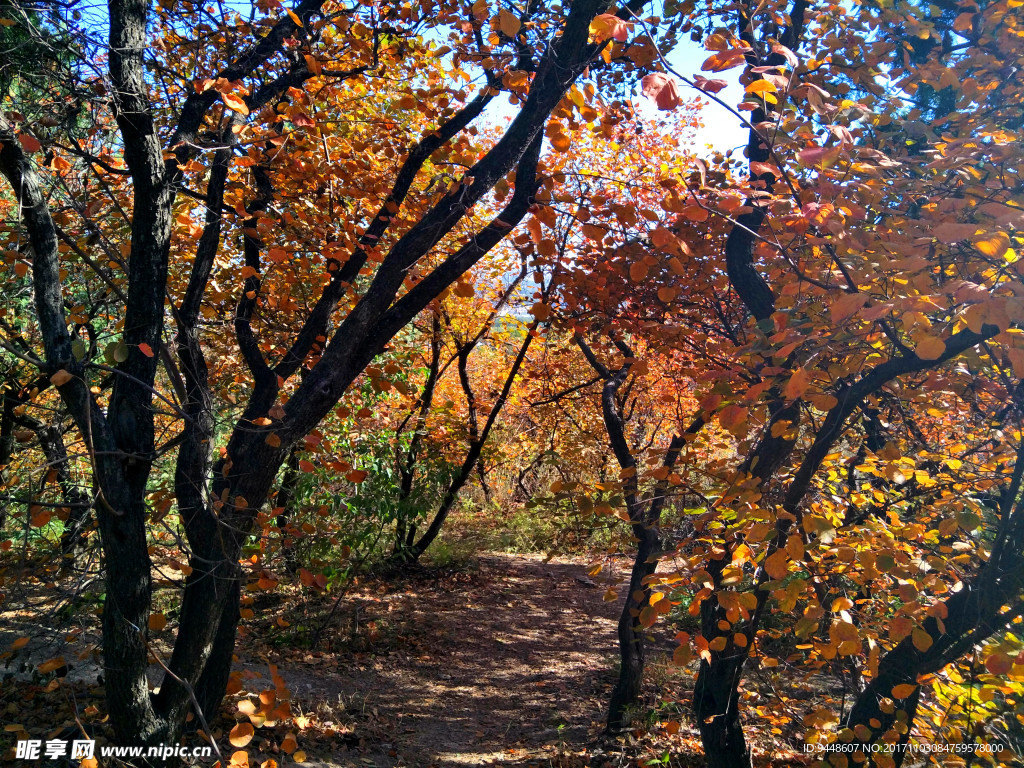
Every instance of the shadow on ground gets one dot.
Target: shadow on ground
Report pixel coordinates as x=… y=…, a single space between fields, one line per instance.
x=504 y=669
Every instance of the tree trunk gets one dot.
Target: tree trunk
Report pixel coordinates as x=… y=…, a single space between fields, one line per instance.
x=631 y=634
x=716 y=702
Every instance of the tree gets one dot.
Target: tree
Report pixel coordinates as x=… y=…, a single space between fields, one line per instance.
x=203 y=143
x=878 y=280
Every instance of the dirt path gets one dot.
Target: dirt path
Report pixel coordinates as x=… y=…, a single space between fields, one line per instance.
x=492 y=670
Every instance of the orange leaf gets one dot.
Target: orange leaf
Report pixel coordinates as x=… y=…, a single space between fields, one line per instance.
x=241 y=734
x=903 y=691
x=761 y=86
x=993 y=245
x=797 y=384
x=51 y=666
x=997 y=664
x=777 y=564
x=288 y=744
x=930 y=348
x=157 y=621
x=356 y=475
x=21 y=642
x=145 y=349
x=235 y=102
x=723 y=60
x=60 y=378
x=637 y=271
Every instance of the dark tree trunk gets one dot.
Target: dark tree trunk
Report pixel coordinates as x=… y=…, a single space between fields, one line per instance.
x=632 y=658
x=716 y=701
x=285 y=503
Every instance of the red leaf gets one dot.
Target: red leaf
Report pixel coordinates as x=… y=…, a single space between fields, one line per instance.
x=29 y=143
x=662 y=89
x=145 y=349
x=709 y=86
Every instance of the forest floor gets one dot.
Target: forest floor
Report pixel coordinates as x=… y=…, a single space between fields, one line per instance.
x=503 y=660
x=506 y=662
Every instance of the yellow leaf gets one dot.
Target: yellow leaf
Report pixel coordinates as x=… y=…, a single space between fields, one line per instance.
x=293 y=17
x=921 y=640
x=930 y=348
x=241 y=734
x=993 y=245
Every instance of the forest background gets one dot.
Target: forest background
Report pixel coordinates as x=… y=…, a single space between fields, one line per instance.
x=298 y=296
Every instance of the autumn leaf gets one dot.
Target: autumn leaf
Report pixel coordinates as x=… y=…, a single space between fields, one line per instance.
x=638 y=270
x=921 y=639
x=288 y=744
x=356 y=475
x=157 y=621
x=52 y=665
x=662 y=89
x=846 y=305
x=29 y=143
x=235 y=102
x=724 y=60
x=60 y=378
x=608 y=25
x=776 y=565
x=930 y=347
x=709 y=86
x=797 y=384
x=818 y=156
x=903 y=691
x=509 y=23
x=999 y=663
x=145 y=349
x=992 y=245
